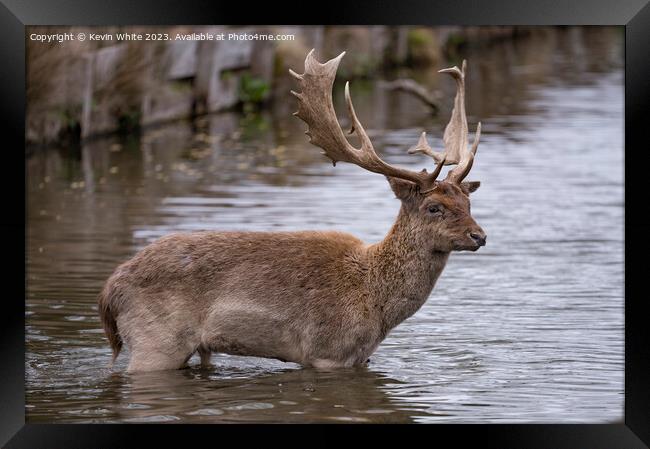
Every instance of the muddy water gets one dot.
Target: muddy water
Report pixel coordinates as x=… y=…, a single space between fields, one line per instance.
x=528 y=329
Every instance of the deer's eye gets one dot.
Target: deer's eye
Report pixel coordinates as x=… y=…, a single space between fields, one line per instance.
x=434 y=209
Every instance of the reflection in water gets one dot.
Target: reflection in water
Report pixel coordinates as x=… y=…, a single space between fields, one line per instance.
x=298 y=395
x=529 y=329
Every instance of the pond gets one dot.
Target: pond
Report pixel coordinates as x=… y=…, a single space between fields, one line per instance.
x=528 y=329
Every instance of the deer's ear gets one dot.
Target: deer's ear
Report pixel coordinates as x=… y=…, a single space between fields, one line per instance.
x=470 y=186
x=403 y=189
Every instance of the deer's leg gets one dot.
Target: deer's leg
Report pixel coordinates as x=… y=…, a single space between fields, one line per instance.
x=157 y=342
x=205 y=354
x=159 y=351
x=328 y=364
x=145 y=359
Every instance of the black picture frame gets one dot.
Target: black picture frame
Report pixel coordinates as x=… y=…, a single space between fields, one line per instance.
x=633 y=14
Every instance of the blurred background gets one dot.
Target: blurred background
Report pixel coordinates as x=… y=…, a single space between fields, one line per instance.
x=80 y=89
x=129 y=141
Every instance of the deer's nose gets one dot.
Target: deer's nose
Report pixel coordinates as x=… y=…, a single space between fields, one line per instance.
x=478 y=238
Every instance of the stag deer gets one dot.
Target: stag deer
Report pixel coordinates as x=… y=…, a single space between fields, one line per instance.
x=321 y=299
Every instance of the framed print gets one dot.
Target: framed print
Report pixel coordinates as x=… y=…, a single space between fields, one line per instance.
x=389 y=214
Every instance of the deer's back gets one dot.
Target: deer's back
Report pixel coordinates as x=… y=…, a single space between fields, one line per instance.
x=270 y=266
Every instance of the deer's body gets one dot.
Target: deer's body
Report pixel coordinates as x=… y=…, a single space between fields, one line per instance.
x=322 y=299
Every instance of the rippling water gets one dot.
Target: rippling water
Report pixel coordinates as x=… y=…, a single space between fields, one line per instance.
x=528 y=329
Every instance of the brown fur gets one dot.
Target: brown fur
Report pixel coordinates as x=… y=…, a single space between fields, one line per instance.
x=323 y=299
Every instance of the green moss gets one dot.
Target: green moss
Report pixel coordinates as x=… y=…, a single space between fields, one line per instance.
x=252 y=125
x=423 y=48
x=226 y=75
x=181 y=85
x=454 y=45
x=252 y=91
x=456 y=40
x=418 y=38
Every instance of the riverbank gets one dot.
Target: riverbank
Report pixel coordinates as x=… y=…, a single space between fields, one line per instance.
x=114 y=83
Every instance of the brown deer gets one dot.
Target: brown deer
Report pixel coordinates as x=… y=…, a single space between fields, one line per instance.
x=321 y=299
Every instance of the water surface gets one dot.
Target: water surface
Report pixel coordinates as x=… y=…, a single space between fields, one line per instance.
x=528 y=329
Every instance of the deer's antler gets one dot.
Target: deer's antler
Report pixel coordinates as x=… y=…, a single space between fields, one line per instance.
x=315 y=108
x=456 y=134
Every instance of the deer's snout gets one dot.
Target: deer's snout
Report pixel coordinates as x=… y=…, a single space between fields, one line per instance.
x=479 y=237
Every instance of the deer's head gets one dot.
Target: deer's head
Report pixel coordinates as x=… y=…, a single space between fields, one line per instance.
x=439 y=209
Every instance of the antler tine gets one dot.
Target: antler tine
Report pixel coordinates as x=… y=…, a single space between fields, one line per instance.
x=461 y=171
x=316 y=109
x=455 y=136
x=456 y=132
x=435 y=173
x=424 y=148
x=366 y=144
x=452 y=149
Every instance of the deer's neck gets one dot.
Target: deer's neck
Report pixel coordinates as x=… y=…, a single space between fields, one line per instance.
x=402 y=271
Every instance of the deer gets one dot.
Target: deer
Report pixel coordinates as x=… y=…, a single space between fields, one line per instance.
x=321 y=299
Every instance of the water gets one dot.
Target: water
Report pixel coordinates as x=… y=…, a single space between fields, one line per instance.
x=528 y=329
